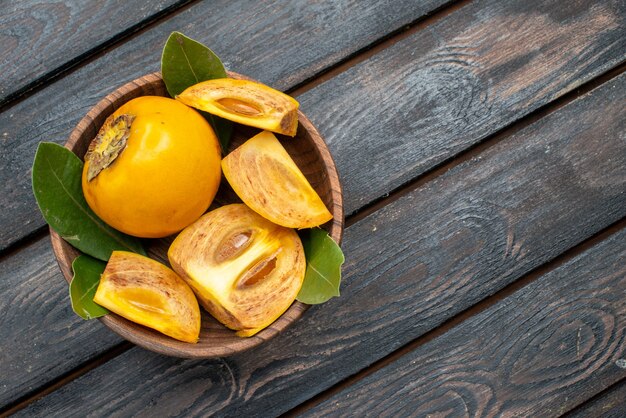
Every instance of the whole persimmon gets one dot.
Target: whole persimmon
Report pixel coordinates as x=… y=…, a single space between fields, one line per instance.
x=153 y=168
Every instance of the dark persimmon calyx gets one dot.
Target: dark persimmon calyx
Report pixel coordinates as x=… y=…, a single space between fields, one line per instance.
x=246 y=102
x=265 y=177
x=147 y=292
x=108 y=143
x=245 y=270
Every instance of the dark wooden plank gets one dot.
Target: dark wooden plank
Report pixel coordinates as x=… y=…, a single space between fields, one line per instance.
x=214 y=24
x=410 y=266
x=413 y=106
x=539 y=352
x=35 y=298
x=280 y=43
x=40 y=36
x=450 y=86
x=611 y=404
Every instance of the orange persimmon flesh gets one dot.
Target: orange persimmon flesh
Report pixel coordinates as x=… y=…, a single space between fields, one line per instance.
x=246 y=102
x=265 y=177
x=245 y=270
x=147 y=292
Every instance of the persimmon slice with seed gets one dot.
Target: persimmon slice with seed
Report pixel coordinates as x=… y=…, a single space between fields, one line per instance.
x=246 y=102
x=265 y=177
x=245 y=270
x=147 y=292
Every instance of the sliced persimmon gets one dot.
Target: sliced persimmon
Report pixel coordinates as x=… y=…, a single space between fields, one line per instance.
x=246 y=102
x=147 y=292
x=245 y=270
x=265 y=177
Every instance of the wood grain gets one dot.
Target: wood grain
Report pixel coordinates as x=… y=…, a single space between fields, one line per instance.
x=445 y=88
x=540 y=352
x=41 y=36
x=278 y=43
x=45 y=117
x=409 y=267
x=35 y=298
x=610 y=404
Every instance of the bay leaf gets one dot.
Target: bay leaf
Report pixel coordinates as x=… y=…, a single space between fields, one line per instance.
x=56 y=180
x=186 y=62
x=323 y=271
x=87 y=272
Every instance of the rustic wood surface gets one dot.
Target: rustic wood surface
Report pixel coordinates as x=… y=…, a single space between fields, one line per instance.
x=281 y=44
x=464 y=52
x=448 y=87
x=611 y=404
x=539 y=352
x=397 y=106
x=413 y=264
x=84 y=88
x=40 y=37
x=36 y=298
x=357 y=167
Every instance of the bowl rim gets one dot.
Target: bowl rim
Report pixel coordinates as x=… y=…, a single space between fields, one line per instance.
x=65 y=254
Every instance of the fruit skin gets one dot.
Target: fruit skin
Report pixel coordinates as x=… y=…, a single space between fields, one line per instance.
x=147 y=292
x=165 y=177
x=265 y=177
x=245 y=270
x=246 y=102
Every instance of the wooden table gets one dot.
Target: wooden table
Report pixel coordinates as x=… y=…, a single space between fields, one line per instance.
x=482 y=150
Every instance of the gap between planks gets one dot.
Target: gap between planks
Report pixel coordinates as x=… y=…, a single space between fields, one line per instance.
x=608 y=392
x=65 y=378
x=475 y=150
x=93 y=53
x=352 y=218
x=23 y=242
x=439 y=170
x=361 y=214
x=377 y=46
x=462 y=317
x=316 y=79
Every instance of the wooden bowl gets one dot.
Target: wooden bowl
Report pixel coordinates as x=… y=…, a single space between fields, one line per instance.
x=308 y=151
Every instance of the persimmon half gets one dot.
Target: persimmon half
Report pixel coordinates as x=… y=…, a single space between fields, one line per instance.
x=245 y=270
x=267 y=179
x=149 y=293
x=153 y=168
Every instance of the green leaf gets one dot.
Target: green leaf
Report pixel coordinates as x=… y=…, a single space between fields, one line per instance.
x=87 y=272
x=223 y=129
x=186 y=62
x=323 y=271
x=57 y=187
